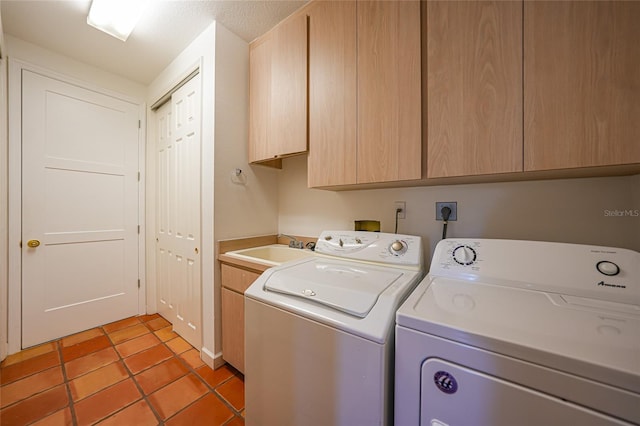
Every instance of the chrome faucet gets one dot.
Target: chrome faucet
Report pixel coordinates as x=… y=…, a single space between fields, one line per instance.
x=293 y=243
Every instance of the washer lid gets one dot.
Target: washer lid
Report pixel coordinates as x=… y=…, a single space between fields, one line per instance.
x=350 y=288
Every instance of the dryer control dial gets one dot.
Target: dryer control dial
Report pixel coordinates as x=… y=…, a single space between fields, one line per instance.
x=464 y=255
x=398 y=247
x=608 y=268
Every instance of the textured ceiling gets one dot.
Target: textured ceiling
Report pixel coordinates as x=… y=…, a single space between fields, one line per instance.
x=165 y=29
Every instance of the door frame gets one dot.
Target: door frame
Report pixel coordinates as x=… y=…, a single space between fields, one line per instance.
x=15 y=190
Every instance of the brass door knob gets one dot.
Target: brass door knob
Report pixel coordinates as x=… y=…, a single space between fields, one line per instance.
x=33 y=243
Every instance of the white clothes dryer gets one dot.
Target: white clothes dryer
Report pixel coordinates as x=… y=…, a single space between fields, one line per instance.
x=319 y=332
x=521 y=333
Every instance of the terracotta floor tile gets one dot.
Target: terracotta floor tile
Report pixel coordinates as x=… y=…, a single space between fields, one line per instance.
x=136 y=345
x=236 y=421
x=36 y=407
x=233 y=392
x=138 y=414
x=214 y=377
x=29 y=353
x=90 y=362
x=97 y=380
x=119 y=325
x=179 y=345
x=160 y=375
x=29 y=386
x=146 y=318
x=174 y=397
x=158 y=323
x=59 y=418
x=79 y=350
x=166 y=333
x=82 y=337
x=192 y=357
x=128 y=333
x=148 y=358
x=28 y=367
x=206 y=411
x=106 y=402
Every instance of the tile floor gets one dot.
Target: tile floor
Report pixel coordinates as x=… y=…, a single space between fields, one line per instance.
x=130 y=372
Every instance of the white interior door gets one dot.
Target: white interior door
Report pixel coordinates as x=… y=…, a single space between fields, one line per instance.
x=79 y=207
x=178 y=215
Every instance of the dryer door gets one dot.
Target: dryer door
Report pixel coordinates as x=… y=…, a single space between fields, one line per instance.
x=452 y=395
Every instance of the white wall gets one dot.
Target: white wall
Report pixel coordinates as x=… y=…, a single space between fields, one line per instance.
x=36 y=55
x=245 y=205
x=3 y=200
x=236 y=210
x=570 y=210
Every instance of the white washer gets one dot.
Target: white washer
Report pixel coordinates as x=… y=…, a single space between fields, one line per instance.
x=521 y=333
x=319 y=332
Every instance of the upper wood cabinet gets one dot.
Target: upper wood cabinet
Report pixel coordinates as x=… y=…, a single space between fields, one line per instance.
x=364 y=92
x=389 y=95
x=474 y=87
x=582 y=84
x=332 y=93
x=278 y=91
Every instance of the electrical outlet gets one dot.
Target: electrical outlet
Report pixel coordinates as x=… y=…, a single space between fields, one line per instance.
x=453 y=205
x=403 y=209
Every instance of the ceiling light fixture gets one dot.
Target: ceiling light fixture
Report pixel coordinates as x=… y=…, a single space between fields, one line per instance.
x=115 y=17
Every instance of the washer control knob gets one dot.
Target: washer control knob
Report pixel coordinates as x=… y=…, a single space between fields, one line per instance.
x=608 y=268
x=464 y=255
x=398 y=247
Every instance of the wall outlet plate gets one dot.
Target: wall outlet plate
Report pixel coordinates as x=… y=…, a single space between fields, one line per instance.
x=402 y=206
x=453 y=205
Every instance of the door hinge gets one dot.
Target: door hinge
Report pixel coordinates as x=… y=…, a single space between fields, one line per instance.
x=139 y=124
x=138 y=229
x=138 y=282
x=138 y=176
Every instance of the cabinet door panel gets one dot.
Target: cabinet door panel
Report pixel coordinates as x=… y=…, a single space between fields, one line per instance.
x=389 y=98
x=259 y=99
x=474 y=89
x=233 y=328
x=288 y=131
x=237 y=279
x=332 y=93
x=582 y=84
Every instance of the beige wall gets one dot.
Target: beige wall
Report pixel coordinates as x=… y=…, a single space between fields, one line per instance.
x=245 y=206
x=571 y=210
x=36 y=55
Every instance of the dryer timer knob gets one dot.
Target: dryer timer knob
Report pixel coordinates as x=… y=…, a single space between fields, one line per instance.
x=464 y=255
x=608 y=268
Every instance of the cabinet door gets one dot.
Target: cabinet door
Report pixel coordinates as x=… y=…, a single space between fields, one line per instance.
x=582 y=84
x=332 y=93
x=233 y=328
x=474 y=87
x=259 y=99
x=389 y=98
x=237 y=279
x=288 y=132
